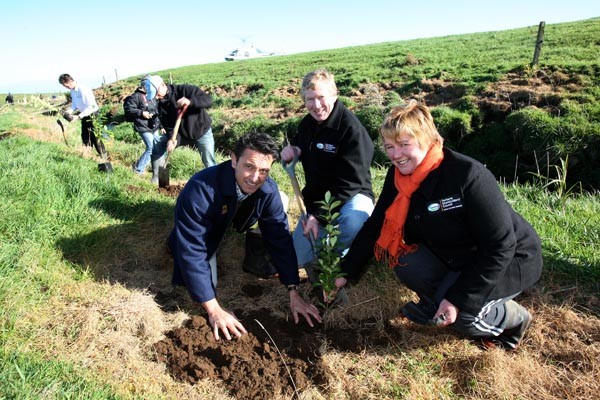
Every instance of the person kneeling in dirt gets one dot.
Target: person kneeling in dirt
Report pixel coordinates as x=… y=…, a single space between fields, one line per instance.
x=442 y=224
x=195 y=129
x=237 y=192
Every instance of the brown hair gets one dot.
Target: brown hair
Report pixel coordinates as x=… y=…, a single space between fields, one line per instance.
x=319 y=75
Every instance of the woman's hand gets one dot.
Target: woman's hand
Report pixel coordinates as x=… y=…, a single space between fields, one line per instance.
x=171 y=144
x=182 y=102
x=446 y=313
x=330 y=297
x=311 y=226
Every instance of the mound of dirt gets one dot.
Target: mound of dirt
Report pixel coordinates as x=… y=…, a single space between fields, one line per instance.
x=172 y=190
x=251 y=367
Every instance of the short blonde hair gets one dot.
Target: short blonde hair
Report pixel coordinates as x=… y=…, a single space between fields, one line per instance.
x=413 y=119
x=320 y=75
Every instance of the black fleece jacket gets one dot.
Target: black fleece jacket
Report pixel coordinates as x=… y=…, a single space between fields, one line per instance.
x=336 y=157
x=196 y=121
x=461 y=215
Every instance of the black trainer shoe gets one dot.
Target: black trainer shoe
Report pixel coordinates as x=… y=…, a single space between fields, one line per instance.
x=420 y=313
x=511 y=338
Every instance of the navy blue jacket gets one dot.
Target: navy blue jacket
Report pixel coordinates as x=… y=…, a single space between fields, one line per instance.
x=134 y=105
x=206 y=207
x=461 y=215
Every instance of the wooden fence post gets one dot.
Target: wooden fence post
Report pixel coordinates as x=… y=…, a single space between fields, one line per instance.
x=538 y=44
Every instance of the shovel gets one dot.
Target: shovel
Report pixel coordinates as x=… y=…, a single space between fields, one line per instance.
x=341 y=298
x=62 y=129
x=106 y=166
x=290 y=168
x=163 y=172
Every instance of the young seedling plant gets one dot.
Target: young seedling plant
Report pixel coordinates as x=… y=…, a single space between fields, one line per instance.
x=328 y=266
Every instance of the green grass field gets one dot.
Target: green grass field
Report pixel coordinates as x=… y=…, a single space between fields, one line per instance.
x=81 y=252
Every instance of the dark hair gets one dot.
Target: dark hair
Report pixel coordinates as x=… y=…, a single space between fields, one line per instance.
x=64 y=78
x=256 y=141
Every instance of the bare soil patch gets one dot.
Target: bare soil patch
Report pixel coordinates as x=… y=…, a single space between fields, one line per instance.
x=172 y=190
x=252 y=367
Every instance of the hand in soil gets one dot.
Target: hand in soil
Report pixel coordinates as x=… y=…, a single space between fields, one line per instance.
x=220 y=319
x=300 y=306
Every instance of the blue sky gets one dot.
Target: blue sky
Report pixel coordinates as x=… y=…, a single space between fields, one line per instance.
x=92 y=39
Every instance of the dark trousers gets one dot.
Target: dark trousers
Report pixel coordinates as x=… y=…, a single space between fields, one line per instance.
x=427 y=275
x=88 y=137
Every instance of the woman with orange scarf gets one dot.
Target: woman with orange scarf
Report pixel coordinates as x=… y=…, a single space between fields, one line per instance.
x=442 y=223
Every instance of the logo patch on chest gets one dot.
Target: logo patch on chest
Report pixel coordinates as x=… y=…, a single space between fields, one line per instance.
x=327 y=147
x=446 y=204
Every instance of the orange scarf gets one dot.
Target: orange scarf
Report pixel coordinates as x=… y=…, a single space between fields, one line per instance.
x=390 y=246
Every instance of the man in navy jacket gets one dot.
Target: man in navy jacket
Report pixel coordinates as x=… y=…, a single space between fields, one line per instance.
x=239 y=193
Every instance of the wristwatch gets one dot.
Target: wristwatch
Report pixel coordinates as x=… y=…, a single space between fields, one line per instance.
x=292 y=287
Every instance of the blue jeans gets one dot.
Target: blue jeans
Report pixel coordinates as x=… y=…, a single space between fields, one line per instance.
x=148 y=138
x=205 y=146
x=352 y=216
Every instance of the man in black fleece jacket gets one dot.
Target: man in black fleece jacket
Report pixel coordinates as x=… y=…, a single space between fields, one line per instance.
x=195 y=130
x=336 y=152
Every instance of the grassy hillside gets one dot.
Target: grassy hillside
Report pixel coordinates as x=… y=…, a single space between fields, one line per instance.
x=85 y=282
x=486 y=93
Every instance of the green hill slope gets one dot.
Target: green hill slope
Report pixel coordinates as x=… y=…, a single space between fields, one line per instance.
x=490 y=102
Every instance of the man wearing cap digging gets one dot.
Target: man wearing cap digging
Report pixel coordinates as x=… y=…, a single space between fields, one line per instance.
x=194 y=131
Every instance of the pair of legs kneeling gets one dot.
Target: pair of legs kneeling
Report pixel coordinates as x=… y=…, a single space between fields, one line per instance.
x=500 y=322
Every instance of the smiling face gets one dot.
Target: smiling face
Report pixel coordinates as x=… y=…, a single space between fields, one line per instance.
x=320 y=100
x=405 y=153
x=251 y=169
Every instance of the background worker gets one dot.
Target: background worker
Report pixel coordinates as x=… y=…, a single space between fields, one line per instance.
x=83 y=101
x=238 y=193
x=444 y=226
x=144 y=115
x=195 y=130
x=336 y=153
